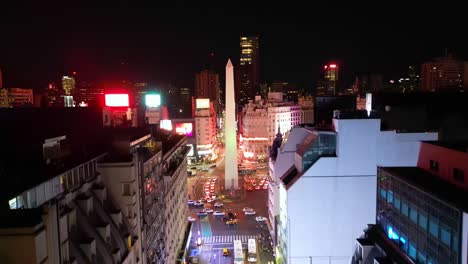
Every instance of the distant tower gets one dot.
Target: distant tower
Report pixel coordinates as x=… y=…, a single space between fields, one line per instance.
x=207 y=86
x=331 y=78
x=68 y=84
x=248 y=68
x=231 y=175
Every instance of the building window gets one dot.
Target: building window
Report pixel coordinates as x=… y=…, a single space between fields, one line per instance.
x=423 y=221
x=434 y=228
x=413 y=215
x=459 y=175
x=404 y=208
x=126 y=189
x=383 y=193
x=390 y=197
x=421 y=257
x=434 y=165
x=412 y=251
x=397 y=203
x=445 y=235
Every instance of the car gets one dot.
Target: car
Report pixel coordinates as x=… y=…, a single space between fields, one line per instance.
x=231 y=222
x=245 y=209
x=209 y=200
x=257 y=187
x=254 y=184
x=218 y=205
x=218 y=213
x=265 y=187
x=214 y=179
x=208 y=210
x=191 y=219
x=193 y=168
x=225 y=252
x=260 y=219
x=202 y=213
x=191 y=202
x=199 y=204
x=249 y=212
x=213 y=166
x=249 y=189
x=205 y=170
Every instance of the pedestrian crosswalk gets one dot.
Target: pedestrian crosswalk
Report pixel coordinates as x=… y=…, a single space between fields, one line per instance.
x=227 y=239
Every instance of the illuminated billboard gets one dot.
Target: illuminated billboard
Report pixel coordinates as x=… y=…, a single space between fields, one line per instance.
x=184 y=129
x=117 y=100
x=165 y=124
x=152 y=100
x=202 y=103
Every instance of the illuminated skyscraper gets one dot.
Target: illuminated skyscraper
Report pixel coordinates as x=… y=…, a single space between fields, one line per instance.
x=68 y=84
x=331 y=78
x=248 y=67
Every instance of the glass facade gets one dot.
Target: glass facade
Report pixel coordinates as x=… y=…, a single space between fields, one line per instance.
x=324 y=145
x=425 y=228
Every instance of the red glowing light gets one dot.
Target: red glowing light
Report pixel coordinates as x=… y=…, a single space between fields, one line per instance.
x=332 y=65
x=325 y=67
x=74 y=73
x=117 y=100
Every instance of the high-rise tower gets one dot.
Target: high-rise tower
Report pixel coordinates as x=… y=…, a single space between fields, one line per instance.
x=231 y=175
x=248 y=68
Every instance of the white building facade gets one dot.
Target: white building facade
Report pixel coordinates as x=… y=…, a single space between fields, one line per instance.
x=323 y=191
x=263 y=119
x=205 y=127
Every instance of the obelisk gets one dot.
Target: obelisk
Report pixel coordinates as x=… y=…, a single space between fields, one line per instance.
x=231 y=176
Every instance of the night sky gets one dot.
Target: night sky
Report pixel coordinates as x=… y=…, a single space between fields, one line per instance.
x=117 y=40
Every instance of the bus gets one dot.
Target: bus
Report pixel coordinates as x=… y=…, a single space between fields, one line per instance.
x=252 y=251
x=238 y=253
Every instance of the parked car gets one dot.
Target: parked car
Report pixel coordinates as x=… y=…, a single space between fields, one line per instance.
x=249 y=212
x=191 y=202
x=225 y=252
x=191 y=219
x=217 y=205
x=200 y=204
x=260 y=219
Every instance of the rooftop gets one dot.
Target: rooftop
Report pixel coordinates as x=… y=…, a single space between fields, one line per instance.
x=431 y=184
x=461 y=146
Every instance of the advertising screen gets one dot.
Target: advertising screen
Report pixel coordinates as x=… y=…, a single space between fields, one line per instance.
x=116 y=100
x=152 y=100
x=165 y=124
x=184 y=129
x=202 y=103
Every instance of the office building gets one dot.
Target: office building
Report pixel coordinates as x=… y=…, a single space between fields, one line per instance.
x=16 y=97
x=422 y=213
x=249 y=67
x=444 y=74
x=263 y=119
x=319 y=199
x=207 y=86
x=205 y=128
x=89 y=94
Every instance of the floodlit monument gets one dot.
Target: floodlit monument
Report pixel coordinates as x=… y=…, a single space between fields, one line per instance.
x=231 y=176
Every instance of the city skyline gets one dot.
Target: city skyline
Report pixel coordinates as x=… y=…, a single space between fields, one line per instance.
x=123 y=41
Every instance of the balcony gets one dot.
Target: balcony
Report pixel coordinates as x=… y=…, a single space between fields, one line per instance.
x=129 y=199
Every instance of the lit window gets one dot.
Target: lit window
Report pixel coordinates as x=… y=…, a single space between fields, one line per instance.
x=434 y=228
x=445 y=235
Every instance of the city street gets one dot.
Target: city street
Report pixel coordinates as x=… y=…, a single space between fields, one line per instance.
x=214 y=233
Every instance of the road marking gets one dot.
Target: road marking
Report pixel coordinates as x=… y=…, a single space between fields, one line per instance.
x=227 y=239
